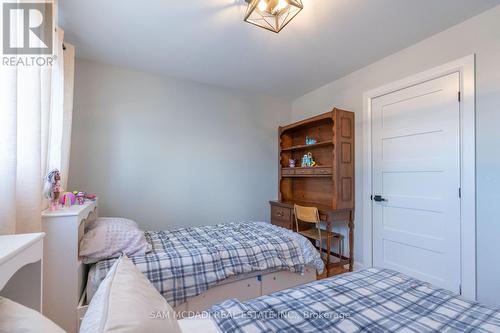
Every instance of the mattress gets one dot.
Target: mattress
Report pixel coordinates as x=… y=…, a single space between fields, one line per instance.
x=186 y=262
x=371 y=300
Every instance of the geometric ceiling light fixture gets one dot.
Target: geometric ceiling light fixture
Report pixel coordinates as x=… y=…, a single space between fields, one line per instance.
x=272 y=15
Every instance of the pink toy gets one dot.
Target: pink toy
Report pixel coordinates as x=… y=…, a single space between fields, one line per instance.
x=80 y=197
x=67 y=199
x=90 y=196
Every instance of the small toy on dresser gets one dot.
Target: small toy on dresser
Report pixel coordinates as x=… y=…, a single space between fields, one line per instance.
x=53 y=191
x=67 y=199
x=52 y=188
x=90 y=196
x=291 y=163
x=80 y=197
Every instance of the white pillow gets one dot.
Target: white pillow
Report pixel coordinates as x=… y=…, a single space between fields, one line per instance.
x=109 y=238
x=16 y=318
x=127 y=302
x=100 y=220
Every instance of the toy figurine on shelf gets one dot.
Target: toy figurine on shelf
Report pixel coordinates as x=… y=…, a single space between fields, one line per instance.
x=304 y=161
x=311 y=160
x=80 y=197
x=67 y=199
x=291 y=163
x=308 y=161
x=310 y=141
x=52 y=188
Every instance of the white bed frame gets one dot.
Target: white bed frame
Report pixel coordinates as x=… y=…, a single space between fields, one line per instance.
x=65 y=275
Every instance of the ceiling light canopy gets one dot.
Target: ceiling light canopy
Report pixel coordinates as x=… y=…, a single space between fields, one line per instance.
x=272 y=15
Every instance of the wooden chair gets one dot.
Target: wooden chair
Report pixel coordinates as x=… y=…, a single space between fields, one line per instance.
x=310 y=215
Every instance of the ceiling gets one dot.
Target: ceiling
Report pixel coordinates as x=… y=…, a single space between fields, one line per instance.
x=207 y=40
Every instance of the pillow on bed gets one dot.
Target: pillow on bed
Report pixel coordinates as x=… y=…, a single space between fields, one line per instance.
x=110 y=237
x=101 y=220
x=127 y=302
x=16 y=318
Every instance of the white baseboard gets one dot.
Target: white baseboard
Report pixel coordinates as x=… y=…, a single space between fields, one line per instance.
x=358 y=266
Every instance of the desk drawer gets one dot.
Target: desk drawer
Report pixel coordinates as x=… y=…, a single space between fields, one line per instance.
x=280 y=223
x=281 y=213
x=323 y=171
x=304 y=171
x=281 y=216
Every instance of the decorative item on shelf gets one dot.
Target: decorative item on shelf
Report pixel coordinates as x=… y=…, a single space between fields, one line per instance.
x=90 y=196
x=52 y=188
x=304 y=161
x=291 y=163
x=310 y=141
x=312 y=162
x=272 y=15
x=308 y=161
x=67 y=199
x=80 y=197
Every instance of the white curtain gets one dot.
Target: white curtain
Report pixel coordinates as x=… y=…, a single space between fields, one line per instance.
x=69 y=80
x=35 y=131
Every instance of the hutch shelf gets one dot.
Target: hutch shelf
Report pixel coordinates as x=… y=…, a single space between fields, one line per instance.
x=329 y=186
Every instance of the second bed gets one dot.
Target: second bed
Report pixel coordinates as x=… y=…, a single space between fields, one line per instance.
x=196 y=267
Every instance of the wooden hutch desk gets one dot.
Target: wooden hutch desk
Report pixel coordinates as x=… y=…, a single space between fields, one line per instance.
x=329 y=186
x=282 y=215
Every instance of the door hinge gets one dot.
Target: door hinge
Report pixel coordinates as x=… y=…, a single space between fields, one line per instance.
x=459 y=96
x=459 y=192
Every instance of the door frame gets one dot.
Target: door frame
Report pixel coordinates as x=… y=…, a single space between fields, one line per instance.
x=466 y=67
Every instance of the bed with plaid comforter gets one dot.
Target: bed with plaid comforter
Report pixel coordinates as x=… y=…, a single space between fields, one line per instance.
x=186 y=262
x=371 y=300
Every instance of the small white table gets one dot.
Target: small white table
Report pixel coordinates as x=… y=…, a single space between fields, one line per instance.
x=21 y=265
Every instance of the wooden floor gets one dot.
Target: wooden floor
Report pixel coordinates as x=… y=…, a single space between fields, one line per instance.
x=333 y=271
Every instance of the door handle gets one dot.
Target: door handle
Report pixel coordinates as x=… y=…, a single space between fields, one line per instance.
x=379 y=198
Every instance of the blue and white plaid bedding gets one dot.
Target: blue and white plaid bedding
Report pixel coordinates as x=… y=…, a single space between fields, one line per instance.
x=186 y=262
x=371 y=300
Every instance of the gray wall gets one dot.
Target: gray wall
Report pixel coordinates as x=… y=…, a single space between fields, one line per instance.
x=170 y=153
x=479 y=35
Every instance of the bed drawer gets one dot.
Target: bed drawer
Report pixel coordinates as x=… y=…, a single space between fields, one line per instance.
x=284 y=279
x=242 y=290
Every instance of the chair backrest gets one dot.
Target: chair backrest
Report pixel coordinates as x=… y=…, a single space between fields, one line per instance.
x=306 y=214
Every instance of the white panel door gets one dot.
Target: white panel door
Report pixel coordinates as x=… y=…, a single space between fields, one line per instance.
x=416 y=172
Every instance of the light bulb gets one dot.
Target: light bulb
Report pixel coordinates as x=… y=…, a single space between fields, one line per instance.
x=262 y=5
x=282 y=4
